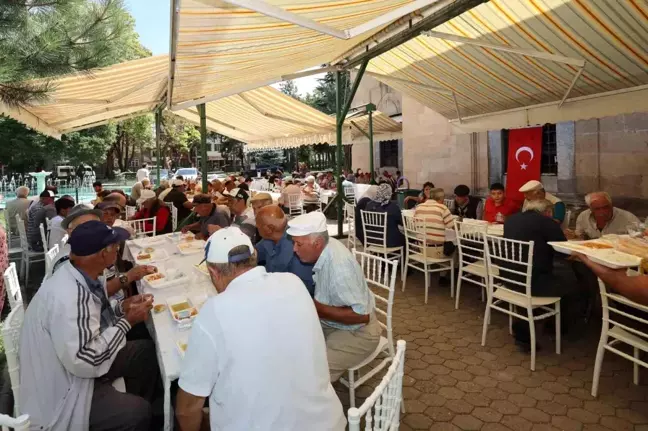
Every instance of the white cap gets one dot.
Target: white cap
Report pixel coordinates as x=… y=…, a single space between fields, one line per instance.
x=310 y=178
x=146 y=195
x=531 y=186
x=307 y=224
x=177 y=183
x=223 y=241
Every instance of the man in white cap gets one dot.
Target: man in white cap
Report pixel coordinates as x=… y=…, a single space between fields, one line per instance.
x=342 y=298
x=179 y=199
x=265 y=371
x=534 y=191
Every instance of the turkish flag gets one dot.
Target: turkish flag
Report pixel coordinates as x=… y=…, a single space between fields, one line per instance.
x=524 y=157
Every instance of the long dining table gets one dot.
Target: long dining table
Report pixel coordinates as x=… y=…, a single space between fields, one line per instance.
x=194 y=285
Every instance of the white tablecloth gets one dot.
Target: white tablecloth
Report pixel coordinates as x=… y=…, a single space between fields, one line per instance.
x=163 y=328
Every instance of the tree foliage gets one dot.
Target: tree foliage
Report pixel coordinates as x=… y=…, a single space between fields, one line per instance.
x=323 y=97
x=178 y=137
x=290 y=88
x=89 y=146
x=43 y=38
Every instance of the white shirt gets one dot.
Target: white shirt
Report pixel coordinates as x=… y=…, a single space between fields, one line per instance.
x=142 y=173
x=257 y=350
x=56 y=232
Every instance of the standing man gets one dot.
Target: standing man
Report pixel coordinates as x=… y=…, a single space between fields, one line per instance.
x=19 y=207
x=342 y=298
x=143 y=172
x=264 y=372
x=534 y=191
x=602 y=218
x=37 y=215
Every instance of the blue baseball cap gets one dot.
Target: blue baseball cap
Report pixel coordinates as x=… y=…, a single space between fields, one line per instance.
x=93 y=236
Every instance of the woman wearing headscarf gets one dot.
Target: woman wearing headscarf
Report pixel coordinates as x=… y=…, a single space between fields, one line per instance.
x=382 y=202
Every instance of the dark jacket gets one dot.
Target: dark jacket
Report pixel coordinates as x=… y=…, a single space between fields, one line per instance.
x=395 y=237
x=469 y=211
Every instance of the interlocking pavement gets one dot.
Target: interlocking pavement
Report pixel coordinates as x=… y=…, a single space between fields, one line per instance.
x=451 y=382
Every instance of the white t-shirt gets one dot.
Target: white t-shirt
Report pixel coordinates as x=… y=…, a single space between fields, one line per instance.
x=257 y=351
x=142 y=173
x=56 y=232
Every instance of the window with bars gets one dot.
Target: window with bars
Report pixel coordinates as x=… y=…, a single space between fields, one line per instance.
x=389 y=153
x=549 y=162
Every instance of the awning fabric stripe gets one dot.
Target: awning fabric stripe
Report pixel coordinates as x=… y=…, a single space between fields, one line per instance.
x=609 y=36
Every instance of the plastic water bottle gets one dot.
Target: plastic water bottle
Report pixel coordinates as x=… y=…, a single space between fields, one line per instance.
x=499 y=217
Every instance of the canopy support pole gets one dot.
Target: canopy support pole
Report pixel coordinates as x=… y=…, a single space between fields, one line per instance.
x=340 y=115
x=203 y=145
x=158 y=127
x=371 y=148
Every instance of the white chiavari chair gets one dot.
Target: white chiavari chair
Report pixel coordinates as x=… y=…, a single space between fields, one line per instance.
x=50 y=256
x=174 y=214
x=349 y=194
x=140 y=227
x=510 y=265
x=28 y=256
x=620 y=314
x=349 y=217
x=20 y=423
x=450 y=203
x=130 y=211
x=11 y=337
x=471 y=243
x=295 y=205
x=416 y=253
x=374 y=228
x=381 y=409
x=381 y=278
x=565 y=223
x=12 y=286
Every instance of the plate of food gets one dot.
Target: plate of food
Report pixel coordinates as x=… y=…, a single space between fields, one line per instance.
x=614 y=259
x=182 y=309
x=191 y=247
x=202 y=268
x=149 y=254
x=148 y=241
x=166 y=278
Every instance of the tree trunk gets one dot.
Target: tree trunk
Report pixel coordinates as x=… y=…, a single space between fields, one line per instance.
x=110 y=163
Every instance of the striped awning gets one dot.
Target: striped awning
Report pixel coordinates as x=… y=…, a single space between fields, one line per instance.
x=383 y=126
x=610 y=36
x=89 y=99
x=221 y=49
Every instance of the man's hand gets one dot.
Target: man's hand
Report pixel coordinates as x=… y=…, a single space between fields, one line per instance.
x=140 y=271
x=185 y=229
x=570 y=234
x=137 y=308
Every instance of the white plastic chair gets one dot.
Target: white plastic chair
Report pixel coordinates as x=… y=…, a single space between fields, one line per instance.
x=11 y=338
x=381 y=278
x=64 y=240
x=295 y=205
x=415 y=230
x=139 y=227
x=130 y=211
x=49 y=260
x=471 y=243
x=174 y=214
x=385 y=401
x=20 y=423
x=28 y=256
x=349 y=194
x=12 y=286
x=349 y=217
x=614 y=332
x=450 y=203
x=374 y=227
x=565 y=223
x=44 y=235
x=509 y=261
x=14 y=250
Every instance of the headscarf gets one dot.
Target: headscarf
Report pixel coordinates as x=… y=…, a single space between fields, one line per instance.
x=383 y=194
x=371 y=192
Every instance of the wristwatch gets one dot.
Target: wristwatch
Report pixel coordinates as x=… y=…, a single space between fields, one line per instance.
x=123 y=279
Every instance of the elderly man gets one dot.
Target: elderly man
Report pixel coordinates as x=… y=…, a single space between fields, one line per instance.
x=275 y=250
x=602 y=218
x=37 y=215
x=63 y=207
x=291 y=189
x=242 y=214
x=73 y=343
x=265 y=371
x=209 y=215
x=260 y=200
x=534 y=191
x=437 y=219
x=19 y=207
x=342 y=298
x=465 y=205
x=311 y=192
x=136 y=191
x=179 y=199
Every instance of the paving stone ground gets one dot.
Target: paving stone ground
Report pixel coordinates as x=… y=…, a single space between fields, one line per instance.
x=451 y=382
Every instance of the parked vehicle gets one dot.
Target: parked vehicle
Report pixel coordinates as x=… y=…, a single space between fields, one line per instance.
x=188 y=173
x=216 y=175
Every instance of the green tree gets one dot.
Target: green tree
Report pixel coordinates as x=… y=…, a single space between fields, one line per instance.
x=43 y=38
x=323 y=97
x=89 y=146
x=24 y=149
x=178 y=137
x=131 y=136
x=290 y=88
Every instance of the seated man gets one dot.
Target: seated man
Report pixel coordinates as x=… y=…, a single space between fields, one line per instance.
x=260 y=200
x=209 y=216
x=242 y=214
x=342 y=298
x=136 y=191
x=153 y=208
x=535 y=224
x=36 y=215
x=602 y=218
x=179 y=199
x=275 y=250
x=437 y=219
x=534 y=191
x=18 y=206
x=63 y=207
x=382 y=203
x=311 y=192
x=266 y=370
x=498 y=207
x=73 y=344
x=466 y=206
x=291 y=189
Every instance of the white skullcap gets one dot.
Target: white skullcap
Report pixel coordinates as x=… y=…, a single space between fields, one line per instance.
x=223 y=241
x=531 y=186
x=307 y=224
x=146 y=195
x=177 y=183
x=310 y=178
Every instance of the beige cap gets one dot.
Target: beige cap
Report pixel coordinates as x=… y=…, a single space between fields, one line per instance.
x=531 y=186
x=261 y=197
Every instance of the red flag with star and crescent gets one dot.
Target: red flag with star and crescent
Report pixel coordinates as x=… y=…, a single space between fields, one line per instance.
x=524 y=157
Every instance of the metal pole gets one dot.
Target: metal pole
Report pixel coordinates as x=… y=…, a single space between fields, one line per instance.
x=203 y=145
x=338 y=138
x=158 y=127
x=371 y=149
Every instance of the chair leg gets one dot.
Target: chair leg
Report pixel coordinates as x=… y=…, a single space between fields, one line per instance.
x=486 y=321
x=635 y=371
x=558 y=329
x=510 y=319
x=27 y=273
x=405 y=271
x=427 y=282
x=598 y=362
x=402 y=262
x=452 y=281
x=351 y=389
x=533 y=337
x=483 y=290
x=458 y=293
